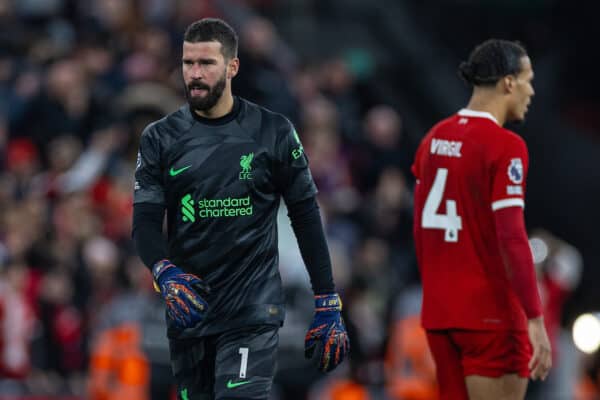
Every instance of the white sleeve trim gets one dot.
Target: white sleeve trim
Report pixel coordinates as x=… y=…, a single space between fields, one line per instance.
x=497 y=205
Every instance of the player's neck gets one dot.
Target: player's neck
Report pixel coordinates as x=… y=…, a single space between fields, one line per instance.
x=489 y=104
x=222 y=108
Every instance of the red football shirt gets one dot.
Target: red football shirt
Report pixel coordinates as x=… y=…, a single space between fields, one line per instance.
x=467 y=167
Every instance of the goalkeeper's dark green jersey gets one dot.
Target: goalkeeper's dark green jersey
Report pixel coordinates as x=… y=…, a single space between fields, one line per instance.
x=221 y=182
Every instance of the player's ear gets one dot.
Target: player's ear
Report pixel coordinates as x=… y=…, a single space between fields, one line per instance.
x=508 y=83
x=233 y=67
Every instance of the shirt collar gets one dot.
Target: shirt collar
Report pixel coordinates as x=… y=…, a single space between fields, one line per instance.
x=465 y=112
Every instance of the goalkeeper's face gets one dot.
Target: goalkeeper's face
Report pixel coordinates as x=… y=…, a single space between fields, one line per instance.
x=206 y=74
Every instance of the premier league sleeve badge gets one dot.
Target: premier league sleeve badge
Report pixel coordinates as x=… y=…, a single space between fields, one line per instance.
x=515 y=170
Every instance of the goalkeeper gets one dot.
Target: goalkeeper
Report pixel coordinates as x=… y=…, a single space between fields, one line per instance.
x=219 y=166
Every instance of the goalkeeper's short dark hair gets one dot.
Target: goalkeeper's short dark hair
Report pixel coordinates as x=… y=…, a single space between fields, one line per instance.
x=214 y=29
x=492 y=60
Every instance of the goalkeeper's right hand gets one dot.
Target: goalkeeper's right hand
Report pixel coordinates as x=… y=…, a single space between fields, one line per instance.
x=182 y=293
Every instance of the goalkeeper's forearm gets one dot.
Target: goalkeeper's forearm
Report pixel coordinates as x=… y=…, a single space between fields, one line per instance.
x=308 y=228
x=147 y=232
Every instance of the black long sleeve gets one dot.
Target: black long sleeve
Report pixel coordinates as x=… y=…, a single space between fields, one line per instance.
x=147 y=232
x=308 y=228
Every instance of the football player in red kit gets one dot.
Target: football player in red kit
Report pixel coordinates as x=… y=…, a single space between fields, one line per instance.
x=481 y=306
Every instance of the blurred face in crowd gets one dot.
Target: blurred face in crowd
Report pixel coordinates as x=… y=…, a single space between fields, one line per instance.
x=383 y=126
x=206 y=74
x=520 y=91
x=66 y=77
x=259 y=36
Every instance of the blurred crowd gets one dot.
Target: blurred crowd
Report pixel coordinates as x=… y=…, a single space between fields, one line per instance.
x=79 y=80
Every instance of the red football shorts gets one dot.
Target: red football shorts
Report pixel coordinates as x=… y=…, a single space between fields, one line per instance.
x=459 y=353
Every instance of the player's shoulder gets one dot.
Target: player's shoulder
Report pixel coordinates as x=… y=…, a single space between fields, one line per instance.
x=170 y=125
x=268 y=126
x=500 y=140
x=439 y=128
x=441 y=125
x=513 y=138
x=266 y=115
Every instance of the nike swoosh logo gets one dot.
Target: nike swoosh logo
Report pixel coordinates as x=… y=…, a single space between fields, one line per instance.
x=174 y=172
x=231 y=385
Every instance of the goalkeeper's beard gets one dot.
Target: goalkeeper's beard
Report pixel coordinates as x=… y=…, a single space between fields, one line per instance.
x=212 y=97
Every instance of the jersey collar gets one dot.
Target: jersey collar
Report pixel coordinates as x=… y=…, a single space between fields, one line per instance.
x=221 y=120
x=465 y=112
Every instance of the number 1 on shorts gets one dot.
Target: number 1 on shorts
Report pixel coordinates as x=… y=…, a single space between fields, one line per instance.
x=244 y=365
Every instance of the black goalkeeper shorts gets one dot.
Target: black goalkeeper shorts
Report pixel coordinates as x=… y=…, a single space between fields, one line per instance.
x=236 y=364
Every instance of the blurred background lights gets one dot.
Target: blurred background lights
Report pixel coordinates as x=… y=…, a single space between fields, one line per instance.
x=586 y=333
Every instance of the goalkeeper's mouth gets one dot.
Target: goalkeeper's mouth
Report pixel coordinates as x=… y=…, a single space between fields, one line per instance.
x=198 y=90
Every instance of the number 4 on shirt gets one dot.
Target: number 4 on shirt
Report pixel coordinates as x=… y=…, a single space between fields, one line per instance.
x=450 y=222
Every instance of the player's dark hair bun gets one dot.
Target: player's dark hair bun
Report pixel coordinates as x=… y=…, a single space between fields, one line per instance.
x=490 y=61
x=466 y=72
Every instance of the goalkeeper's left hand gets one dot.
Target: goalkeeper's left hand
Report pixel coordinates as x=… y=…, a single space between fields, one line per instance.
x=327 y=336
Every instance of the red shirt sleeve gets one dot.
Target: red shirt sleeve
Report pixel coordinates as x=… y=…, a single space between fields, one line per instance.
x=516 y=253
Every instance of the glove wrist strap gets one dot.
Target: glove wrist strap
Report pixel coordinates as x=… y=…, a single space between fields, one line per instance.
x=159 y=267
x=328 y=302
